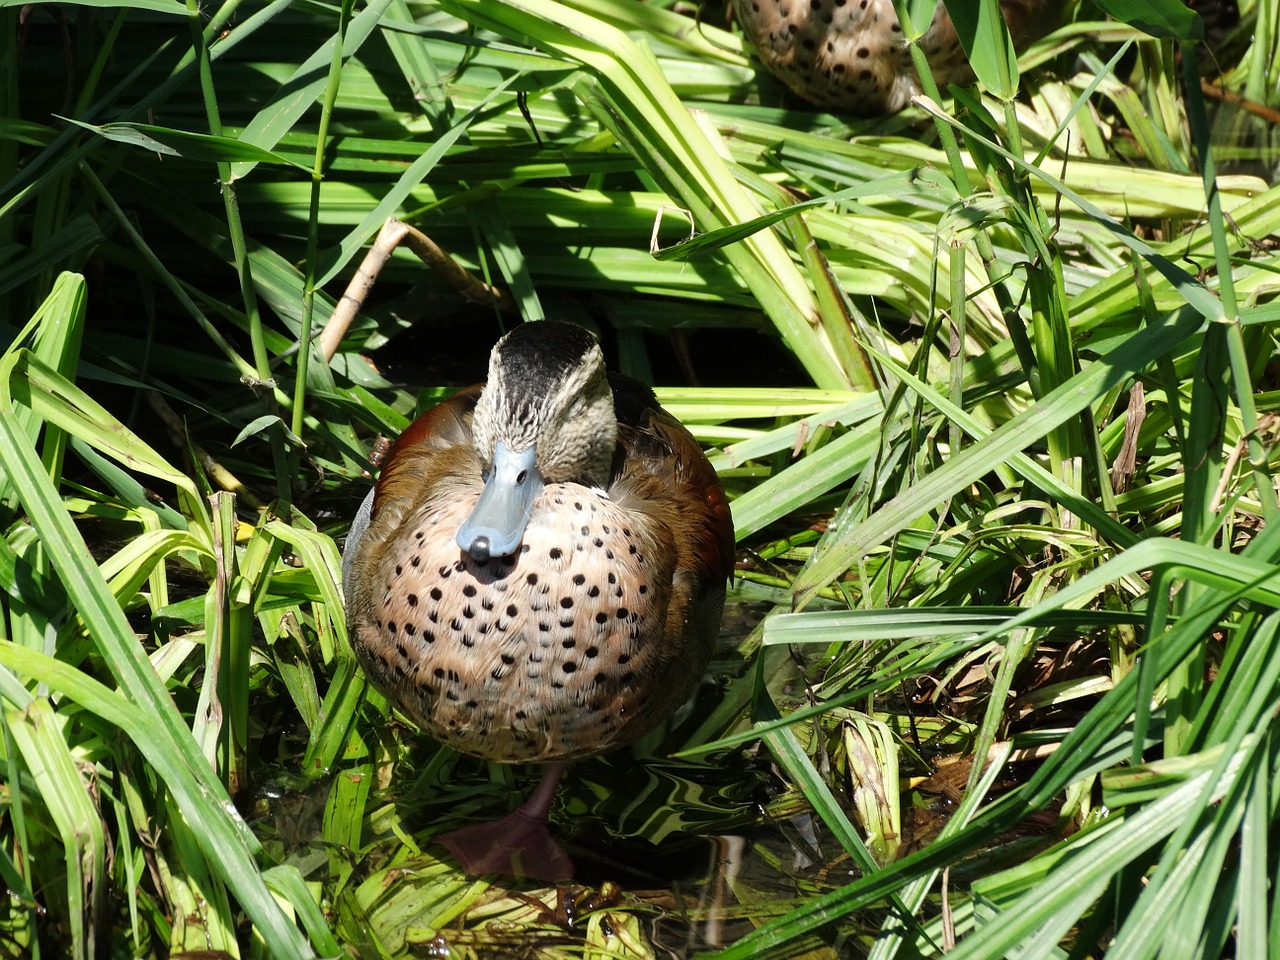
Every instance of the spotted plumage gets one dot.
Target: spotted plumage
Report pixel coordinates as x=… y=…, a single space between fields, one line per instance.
x=850 y=55
x=600 y=622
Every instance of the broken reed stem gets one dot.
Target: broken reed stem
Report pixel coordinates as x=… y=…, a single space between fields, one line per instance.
x=393 y=233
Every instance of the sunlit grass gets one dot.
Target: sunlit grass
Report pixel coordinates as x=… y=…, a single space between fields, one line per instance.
x=1013 y=516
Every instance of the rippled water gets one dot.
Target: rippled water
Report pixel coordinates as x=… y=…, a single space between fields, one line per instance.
x=672 y=856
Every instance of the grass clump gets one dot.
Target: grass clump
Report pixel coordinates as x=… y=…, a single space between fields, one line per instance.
x=991 y=383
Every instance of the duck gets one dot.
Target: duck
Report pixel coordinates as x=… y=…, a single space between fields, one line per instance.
x=849 y=56
x=539 y=574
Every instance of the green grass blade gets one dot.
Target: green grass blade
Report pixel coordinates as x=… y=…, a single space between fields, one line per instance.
x=201 y=797
x=37 y=733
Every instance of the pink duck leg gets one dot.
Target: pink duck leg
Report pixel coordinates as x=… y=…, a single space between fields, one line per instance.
x=518 y=845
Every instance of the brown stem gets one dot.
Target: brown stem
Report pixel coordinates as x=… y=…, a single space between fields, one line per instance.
x=393 y=233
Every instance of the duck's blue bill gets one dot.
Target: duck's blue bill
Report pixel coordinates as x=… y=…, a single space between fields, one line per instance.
x=497 y=523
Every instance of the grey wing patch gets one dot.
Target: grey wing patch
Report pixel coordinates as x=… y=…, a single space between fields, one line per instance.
x=359 y=526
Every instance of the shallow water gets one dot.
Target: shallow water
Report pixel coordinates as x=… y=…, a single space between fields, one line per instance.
x=672 y=857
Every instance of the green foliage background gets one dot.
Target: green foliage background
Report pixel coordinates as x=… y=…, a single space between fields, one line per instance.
x=1039 y=333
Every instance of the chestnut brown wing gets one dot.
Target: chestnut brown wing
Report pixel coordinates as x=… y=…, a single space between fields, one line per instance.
x=663 y=451
x=661 y=468
x=447 y=424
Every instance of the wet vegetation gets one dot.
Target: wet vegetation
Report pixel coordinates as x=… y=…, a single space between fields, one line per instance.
x=991 y=383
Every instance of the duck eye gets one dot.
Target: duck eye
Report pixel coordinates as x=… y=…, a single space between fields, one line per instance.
x=521 y=477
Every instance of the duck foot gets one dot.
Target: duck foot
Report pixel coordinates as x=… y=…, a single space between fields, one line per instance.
x=518 y=845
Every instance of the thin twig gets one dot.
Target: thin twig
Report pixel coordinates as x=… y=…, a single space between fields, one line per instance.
x=219 y=475
x=393 y=233
x=1244 y=103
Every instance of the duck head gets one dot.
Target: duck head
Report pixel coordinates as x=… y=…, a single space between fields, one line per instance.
x=545 y=416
